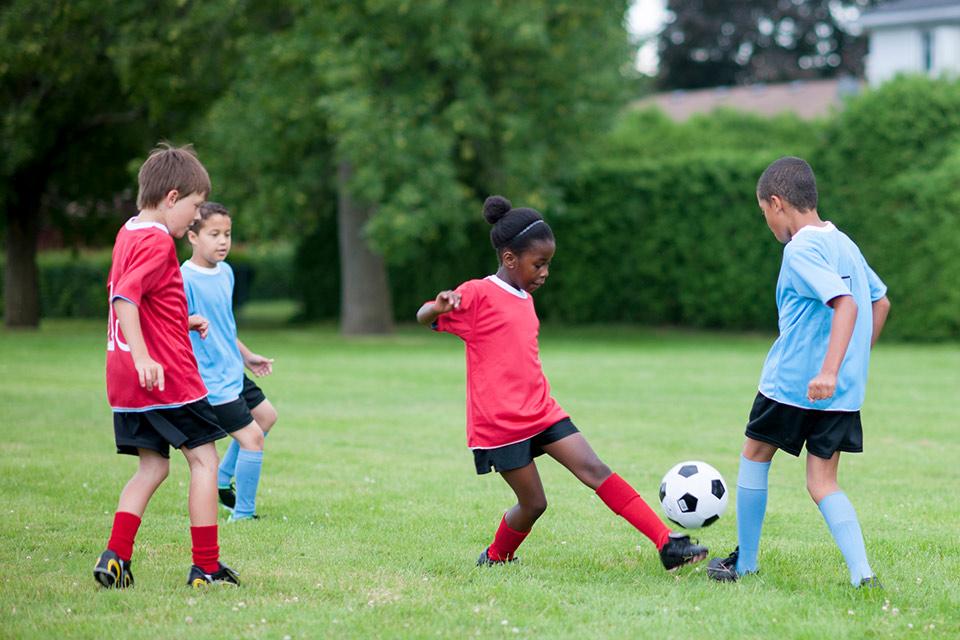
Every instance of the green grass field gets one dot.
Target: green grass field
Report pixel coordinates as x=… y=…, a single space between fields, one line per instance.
x=373 y=515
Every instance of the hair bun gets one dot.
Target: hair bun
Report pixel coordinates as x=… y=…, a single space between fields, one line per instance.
x=495 y=207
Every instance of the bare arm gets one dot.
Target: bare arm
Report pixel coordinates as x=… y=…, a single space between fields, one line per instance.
x=446 y=301
x=149 y=371
x=881 y=308
x=259 y=365
x=824 y=384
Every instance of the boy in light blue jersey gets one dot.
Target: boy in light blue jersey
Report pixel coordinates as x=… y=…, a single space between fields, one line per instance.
x=832 y=307
x=241 y=407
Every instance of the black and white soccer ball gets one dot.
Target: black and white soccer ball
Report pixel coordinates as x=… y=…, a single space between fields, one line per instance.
x=693 y=494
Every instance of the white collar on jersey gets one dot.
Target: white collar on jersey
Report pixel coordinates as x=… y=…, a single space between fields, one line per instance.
x=828 y=226
x=134 y=225
x=210 y=271
x=509 y=288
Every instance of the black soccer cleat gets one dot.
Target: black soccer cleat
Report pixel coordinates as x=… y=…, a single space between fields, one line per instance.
x=111 y=572
x=679 y=551
x=486 y=561
x=870 y=582
x=228 y=497
x=724 y=569
x=224 y=575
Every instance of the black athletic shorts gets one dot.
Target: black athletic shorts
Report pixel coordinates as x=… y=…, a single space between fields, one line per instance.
x=520 y=454
x=788 y=428
x=189 y=425
x=236 y=414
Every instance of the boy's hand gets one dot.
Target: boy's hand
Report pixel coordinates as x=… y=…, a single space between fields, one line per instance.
x=150 y=373
x=823 y=386
x=198 y=324
x=259 y=365
x=446 y=301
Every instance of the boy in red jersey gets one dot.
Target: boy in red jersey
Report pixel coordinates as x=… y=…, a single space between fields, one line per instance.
x=511 y=417
x=153 y=385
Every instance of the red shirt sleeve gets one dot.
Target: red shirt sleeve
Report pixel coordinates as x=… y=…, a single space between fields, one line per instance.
x=461 y=321
x=144 y=264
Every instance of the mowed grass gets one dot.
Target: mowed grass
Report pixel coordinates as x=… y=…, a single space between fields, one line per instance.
x=373 y=516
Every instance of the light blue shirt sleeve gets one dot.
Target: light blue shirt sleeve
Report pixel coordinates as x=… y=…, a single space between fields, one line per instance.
x=813 y=277
x=877 y=288
x=191 y=297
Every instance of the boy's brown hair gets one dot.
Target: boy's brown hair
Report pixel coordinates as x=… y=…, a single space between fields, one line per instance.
x=792 y=179
x=170 y=168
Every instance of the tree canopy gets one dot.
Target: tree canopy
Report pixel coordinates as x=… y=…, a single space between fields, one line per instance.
x=708 y=43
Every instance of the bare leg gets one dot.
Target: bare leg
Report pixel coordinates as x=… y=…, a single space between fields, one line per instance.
x=151 y=473
x=203 y=484
x=531 y=499
x=265 y=415
x=758 y=451
x=250 y=437
x=822 y=476
x=575 y=453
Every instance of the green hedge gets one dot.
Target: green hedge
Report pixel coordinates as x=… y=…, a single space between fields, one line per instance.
x=889 y=173
x=73 y=285
x=677 y=242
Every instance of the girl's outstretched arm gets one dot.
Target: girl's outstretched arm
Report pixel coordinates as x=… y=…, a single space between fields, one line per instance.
x=446 y=301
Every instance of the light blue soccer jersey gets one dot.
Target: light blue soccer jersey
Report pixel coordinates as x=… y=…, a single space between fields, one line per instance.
x=210 y=294
x=819 y=264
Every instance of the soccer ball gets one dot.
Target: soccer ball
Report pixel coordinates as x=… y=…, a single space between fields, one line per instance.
x=693 y=494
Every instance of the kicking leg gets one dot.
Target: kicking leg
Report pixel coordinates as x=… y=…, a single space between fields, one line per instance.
x=575 y=453
x=840 y=515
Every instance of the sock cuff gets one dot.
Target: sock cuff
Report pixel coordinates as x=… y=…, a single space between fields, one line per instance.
x=248 y=454
x=752 y=474
x=127 y=518
x=504 y=526
x=837 y=507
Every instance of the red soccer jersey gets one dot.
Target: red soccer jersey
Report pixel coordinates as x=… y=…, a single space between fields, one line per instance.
x=508 y=397
x=146 y=272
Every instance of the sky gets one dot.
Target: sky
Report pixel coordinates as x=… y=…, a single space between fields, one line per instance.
x=644 y=20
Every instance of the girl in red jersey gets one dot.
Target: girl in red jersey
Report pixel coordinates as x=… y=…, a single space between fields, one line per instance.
x=511 y=417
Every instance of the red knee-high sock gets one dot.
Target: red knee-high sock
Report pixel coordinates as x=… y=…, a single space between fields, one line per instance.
x=624 y=501
x=125 y=526
x=206 y=552
x=506 y=541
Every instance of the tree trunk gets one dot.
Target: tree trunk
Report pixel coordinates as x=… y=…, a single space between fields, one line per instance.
x=364 y=294
x=21 y=279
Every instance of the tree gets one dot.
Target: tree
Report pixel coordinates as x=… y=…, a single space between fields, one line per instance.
x=708 y=43
x=424 y=108
x=86 y=86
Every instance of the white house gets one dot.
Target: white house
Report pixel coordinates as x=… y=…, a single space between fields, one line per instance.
x=912 y=36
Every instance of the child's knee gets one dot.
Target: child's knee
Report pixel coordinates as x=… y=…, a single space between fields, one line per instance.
x=266 y=416
x=202 y=458
x=536 y=507
x=250 y=437
x=594 y=472
x=155 y=471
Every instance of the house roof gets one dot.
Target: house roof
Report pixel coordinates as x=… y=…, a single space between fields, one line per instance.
x=806 y=98
x=909 y=12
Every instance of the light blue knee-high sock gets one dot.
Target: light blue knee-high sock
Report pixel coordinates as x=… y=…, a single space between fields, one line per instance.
x=228 y=466
x=841 y=517
x=249 y=464
x=751 y=508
